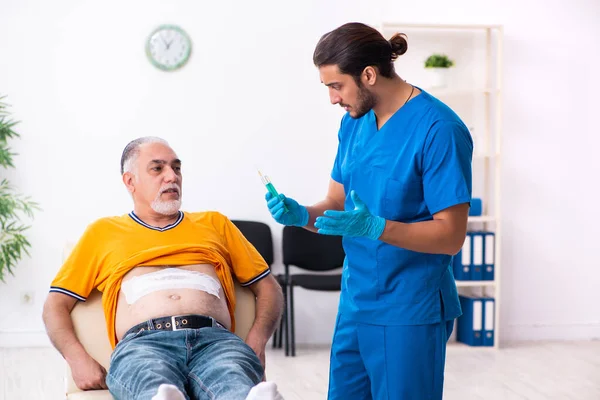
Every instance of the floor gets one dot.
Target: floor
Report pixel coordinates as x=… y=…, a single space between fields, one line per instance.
x=532 y=370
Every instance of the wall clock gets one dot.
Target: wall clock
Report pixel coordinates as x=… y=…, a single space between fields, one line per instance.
x=168 y=47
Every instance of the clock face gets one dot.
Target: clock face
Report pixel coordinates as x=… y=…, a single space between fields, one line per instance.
x=168 y=47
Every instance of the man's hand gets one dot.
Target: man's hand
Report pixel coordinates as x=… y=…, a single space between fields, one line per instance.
x=358 y=222
x=258 y=344
x=88 y=374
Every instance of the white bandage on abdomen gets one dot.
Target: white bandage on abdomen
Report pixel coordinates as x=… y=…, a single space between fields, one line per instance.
x=168 y=278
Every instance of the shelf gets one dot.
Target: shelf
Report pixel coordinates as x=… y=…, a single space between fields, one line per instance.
x=483 y=218
x=446 y=92
x=475 y=283
x=454 y=345
x=387 y=25
x=479 y=156
x=475 y=95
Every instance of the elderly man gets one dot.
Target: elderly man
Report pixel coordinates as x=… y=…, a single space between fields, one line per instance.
x=159 y=269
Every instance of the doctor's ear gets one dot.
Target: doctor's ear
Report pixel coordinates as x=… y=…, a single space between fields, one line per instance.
x=369 y=76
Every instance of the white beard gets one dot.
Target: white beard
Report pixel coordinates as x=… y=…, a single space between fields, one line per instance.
x=166 y=207
x=169 y=207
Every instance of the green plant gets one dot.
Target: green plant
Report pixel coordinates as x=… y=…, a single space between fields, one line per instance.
x=438 y=61
x=13 y=243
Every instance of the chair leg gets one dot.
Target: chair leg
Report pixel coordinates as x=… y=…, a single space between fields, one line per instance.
x=277 y=330
x=284 y=316
x=286 y=327
x=278 y=333
x=292 y=328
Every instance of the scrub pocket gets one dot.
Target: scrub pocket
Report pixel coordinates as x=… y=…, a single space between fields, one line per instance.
x=403 y=199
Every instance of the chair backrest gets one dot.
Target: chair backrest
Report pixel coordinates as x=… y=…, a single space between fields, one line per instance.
x=90 y=327
x=312 y=251
x=259 y=234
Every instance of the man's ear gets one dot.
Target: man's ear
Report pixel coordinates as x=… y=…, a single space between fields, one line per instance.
x=128 y=180
x=369 y=76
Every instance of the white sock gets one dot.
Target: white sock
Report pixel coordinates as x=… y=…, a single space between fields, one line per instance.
x=264 y=391
x=168 y=392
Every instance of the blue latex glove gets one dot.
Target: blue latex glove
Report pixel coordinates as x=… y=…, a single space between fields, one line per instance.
x=296 y=215
x=358 y=222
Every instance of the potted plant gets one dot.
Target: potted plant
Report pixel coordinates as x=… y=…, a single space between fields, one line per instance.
x=13 y=206
x=438 y=65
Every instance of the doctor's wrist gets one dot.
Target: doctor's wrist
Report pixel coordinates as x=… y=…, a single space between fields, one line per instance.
x=377 y=228
x=304 y=217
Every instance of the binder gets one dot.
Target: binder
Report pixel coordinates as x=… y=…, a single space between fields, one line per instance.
x=470 y=323
x=461 y=272
x=489 y=310
x=461 y=264
x=489 y=255
x=476 y=256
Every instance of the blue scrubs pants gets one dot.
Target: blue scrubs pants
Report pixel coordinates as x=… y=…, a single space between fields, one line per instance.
x=388 y=362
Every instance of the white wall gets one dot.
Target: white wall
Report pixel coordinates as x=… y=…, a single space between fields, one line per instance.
x=77 y=77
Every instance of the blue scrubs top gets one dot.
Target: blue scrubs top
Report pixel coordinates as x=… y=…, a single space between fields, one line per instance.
x=418 y=164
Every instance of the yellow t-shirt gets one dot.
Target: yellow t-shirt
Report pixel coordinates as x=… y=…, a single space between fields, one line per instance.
x=112 y=246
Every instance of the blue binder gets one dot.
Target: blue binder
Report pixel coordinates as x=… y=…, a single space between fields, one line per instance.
x=462 y=272
x=489 y=310
x=489 y=255
x=469 y=328
x=476 y=255
x=461 y=264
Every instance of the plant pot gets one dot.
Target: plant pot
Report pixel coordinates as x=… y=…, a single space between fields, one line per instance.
x=438 y=77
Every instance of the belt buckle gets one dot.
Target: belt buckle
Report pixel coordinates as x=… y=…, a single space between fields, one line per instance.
x=216 y=324
x=173 y=325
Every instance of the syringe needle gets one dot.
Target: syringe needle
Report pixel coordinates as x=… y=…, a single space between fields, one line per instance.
x=262 y=178
x=267 y=182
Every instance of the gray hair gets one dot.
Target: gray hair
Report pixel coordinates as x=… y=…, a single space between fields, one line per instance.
x=132 y=151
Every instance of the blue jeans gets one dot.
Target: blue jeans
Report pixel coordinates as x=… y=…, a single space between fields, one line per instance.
x=206 y=363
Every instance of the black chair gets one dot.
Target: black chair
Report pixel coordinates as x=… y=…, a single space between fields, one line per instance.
x=259 y=234
x=312 y=252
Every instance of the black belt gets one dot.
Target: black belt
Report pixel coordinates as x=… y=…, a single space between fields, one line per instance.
x=175 y=323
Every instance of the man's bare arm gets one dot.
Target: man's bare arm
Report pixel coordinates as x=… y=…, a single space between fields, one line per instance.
x=269 y=308
x=445 y=234
x=334 y=200
x=59 y=326
x=87 y=373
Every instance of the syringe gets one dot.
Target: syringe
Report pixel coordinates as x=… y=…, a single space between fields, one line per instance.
x=267 y=182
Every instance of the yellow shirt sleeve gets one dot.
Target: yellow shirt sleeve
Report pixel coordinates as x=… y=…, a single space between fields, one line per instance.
x=246 y=262
x=78 y=275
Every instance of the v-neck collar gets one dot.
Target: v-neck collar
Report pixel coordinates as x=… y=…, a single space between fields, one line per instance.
x=156 y=228
x=373 y=117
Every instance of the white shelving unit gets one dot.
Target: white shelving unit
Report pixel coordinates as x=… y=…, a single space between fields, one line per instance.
x=474 y=92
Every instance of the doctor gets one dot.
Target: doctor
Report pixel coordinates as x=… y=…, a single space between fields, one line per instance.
x=399 y=195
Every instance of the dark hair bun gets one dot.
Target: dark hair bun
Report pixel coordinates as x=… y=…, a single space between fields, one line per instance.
x=399 y=45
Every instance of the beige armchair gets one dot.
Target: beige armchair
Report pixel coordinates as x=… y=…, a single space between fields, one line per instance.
x=90 y=327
